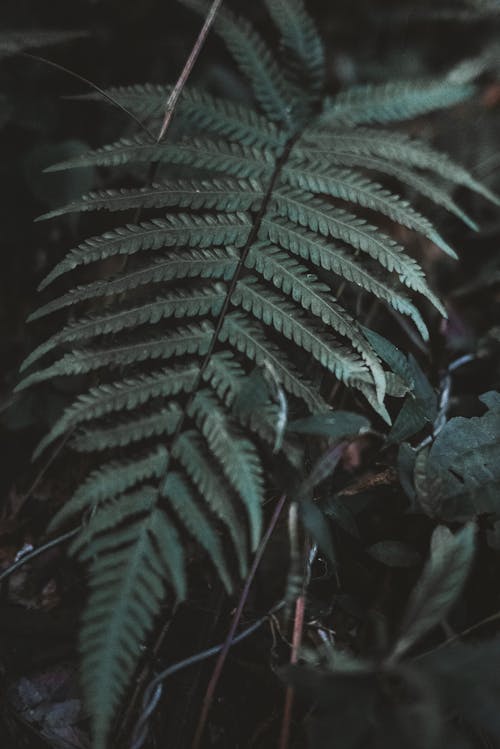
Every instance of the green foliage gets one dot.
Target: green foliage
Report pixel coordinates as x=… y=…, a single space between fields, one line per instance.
x=439 y=586
x=460 y=474
x=239 y=269
x=393 y=700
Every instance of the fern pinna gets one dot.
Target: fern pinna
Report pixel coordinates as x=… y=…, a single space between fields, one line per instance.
x=236 y=263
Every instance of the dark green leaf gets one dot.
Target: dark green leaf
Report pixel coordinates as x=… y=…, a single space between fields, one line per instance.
x=439 y=586
x=394 y=554
x=337 y=425
x=315 y=523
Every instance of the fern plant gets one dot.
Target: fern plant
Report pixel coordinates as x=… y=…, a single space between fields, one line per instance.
x=252 y=222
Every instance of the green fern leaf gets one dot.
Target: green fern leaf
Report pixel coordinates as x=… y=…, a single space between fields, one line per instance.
x=160 y=422
x=321 y=217
x=217 y=194
x=240 y=273
x=173 y=231
x=110 y=481
x=206 y=301
x=392 y=102
x=296 y=280
x=227 y=378
x=181 y=499
x=304 y=49
x=127 y=587
x=352 y=187
x=124 y=395
x=237 y=456
x=327 y=256
x=415 y=180
x=255 y=62
x=189 y=451
x=192 y=339
x=200 y=153
x=249 y=340
x=197 y=110
x=392 y=147
x=286 y=318
x=215 y=263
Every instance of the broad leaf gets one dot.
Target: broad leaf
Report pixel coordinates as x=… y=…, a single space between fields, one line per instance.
x=440 y=585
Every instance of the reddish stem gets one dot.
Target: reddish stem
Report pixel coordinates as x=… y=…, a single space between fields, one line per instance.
x=214 y=679
x=298 y=627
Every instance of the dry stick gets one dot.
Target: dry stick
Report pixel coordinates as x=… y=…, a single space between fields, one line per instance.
x=110 y=99
x=177 y=90
x=298 y=627
x=214 y=679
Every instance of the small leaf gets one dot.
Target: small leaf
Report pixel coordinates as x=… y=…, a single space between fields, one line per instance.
x=342 y=516
x=315 y=523
x=322 y=469
x=439 y=586
x=406 y=464
x=337 y=425
x=394 y=554
x=391 y=355
x=465 y=460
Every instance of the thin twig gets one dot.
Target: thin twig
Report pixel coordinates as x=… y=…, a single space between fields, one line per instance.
x=155 y=688
x=186 y=71
x=489 y=620
x=214 y=680
x=91 y=84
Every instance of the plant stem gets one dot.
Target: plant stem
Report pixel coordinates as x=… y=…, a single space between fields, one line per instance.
x=214 y=679
x=186 y=71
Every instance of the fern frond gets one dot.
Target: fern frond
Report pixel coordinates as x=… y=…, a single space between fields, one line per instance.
x=323 y=254
x=319 y=216
x=278 y=312
x=192 y=339
x=188 y=450
x=198 y=110
x=124 y=395
x=172 y=231
x=305 y=56
x=392 y=102
x=181 y=498
x=161 y=421
x=295 y=280
x=419 y=182
x=352 y=187
x=206 y=301
x=237 y=456
x=240 y=272
x=201 y=153
x=216 y=194
x=391 y=146
x=214 y=263
x=227 y=378
x=127 y=585
x=255 y=62
x=249 y=339
x=146 y=100
x=111 y=514
x=110 y=481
